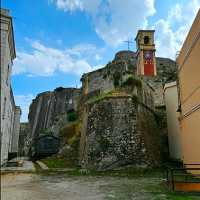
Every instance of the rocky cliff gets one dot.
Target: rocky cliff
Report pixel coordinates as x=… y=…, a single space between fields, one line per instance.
x=49 y=110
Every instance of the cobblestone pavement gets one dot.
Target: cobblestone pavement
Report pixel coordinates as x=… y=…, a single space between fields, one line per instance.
x=63 y=187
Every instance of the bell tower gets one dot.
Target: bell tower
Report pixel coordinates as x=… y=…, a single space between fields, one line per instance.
x=146 y=61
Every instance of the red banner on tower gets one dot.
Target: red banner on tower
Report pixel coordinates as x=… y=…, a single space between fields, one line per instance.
x=148 y=63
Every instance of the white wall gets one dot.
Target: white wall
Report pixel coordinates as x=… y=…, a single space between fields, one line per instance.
x=174 y=134
x=7 y=100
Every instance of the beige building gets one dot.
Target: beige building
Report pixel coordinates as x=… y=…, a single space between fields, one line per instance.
x=189 y=94
x=10 y=114
x=174 y=135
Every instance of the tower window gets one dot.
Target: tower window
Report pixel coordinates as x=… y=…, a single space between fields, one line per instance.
x=146 y=39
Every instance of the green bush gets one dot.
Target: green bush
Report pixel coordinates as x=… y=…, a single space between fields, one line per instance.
x=72 y=116
x=55 y=162
x=132 y=81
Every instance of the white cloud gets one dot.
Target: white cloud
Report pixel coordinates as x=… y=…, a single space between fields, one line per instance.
x=68 y=5
x=45 y=61
x=114 y=20
x=122 y=20
x=172 y=31
x=90 y=6
x=84 y=50
x=24 y=102
x=98 y=57
x=166 y=41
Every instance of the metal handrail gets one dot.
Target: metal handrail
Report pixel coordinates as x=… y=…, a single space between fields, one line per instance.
x=171 y=175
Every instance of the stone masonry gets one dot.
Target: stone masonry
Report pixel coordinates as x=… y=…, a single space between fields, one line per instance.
x=121 y=129
x=118 y=123
x=124 y=63
x=49 y=110
x=10 y=113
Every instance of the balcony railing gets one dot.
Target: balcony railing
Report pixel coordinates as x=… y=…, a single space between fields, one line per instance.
x=186 y=179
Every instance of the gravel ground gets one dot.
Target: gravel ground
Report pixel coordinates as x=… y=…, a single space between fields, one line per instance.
x=63 y=187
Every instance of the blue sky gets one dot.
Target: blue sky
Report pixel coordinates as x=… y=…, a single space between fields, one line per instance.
x=58 y=40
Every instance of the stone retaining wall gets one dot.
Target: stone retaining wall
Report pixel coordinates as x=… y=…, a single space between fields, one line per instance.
x=119 y=132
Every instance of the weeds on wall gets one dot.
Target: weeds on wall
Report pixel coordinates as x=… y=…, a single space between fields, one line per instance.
x=132 y=81
x=70 y=131
x=71 y=116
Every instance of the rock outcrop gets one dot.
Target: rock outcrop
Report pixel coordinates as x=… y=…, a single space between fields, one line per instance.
x=49 y=110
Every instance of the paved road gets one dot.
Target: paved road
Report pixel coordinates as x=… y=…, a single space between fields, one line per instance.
x=33 y=187
x=27 y=166
x=63 y=187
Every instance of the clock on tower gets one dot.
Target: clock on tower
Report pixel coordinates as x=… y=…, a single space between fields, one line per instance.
x=146 y=62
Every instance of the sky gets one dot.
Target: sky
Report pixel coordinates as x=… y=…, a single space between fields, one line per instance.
x=58 y=40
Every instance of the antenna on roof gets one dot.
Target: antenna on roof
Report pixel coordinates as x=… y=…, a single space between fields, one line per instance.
x=129 y=41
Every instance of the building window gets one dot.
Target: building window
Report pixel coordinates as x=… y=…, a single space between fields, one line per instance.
x=146 y=39
x=4 y=108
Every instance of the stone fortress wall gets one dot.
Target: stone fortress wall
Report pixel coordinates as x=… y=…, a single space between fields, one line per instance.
x=125 y=63
x=120 y=132
x=118 y=125
x=102 y=79
x=48 y=109
x=121 y=128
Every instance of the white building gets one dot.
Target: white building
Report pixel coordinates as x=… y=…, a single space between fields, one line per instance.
x=174 y=134
x=10 y=114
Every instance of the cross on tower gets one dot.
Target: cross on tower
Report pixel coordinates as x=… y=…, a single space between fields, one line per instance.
x=128 y=43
